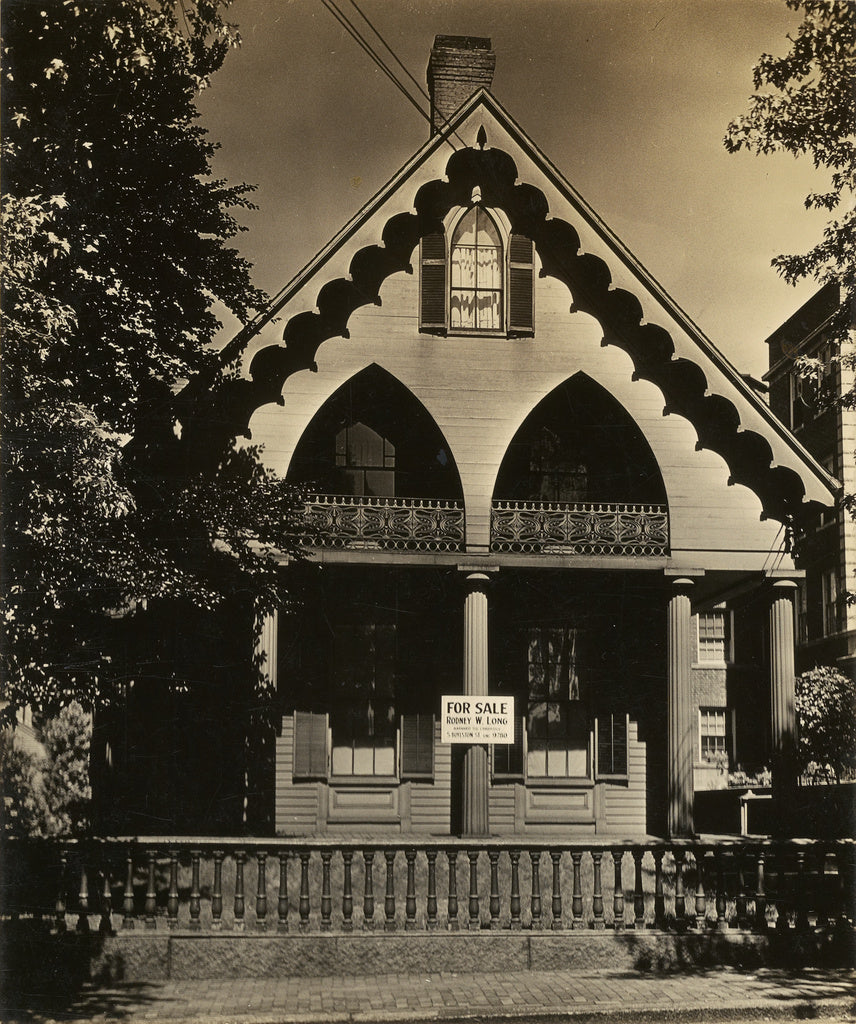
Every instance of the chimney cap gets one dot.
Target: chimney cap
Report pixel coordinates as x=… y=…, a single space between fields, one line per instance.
x=462 y=42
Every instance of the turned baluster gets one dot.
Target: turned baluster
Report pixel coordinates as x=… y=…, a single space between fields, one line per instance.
x=680 y=898
x=106 y=925
x=431 y=905
x=474 y=921
x=802 y=922
x=128 y=895
x=741 y=904
x=845 y=894
x=783 y=923
x=825 y=911
x=83 y=899
x=172 y=895
x=556 y=898
x=368 y=890
x=261 y=890
x=59 y=906
x=347 y=894
x=282 y=895
x=217 y=892
x=195 y=893
x=493 y=856
x=700 y=917
x=238 y=902
x=326 y=894
x=577 y=895
x=452 y=857
x=638 y=891
x=514 y=857
x=597 y=894
x=410 y=896
x=535 y=899
x=721 y=899
x=617 y=890
x=659 y=900
x=389 y=899
x=760 y=894
x=303 y=904
x=151 y=893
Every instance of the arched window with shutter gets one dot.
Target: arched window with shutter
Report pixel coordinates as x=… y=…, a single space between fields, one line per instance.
x=482 y=281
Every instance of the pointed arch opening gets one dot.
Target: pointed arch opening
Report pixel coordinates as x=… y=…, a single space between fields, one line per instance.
x=579 y=444
x=373 y=438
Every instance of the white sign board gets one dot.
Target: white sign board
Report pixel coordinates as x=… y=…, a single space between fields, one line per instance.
x=468 y=719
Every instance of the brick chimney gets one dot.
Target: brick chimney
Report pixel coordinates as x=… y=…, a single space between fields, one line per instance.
x=458 y=67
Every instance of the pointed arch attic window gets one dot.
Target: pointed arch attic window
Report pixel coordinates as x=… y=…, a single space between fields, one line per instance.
x=477 y=280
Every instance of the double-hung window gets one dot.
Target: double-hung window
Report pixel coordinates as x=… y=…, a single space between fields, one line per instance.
x=475 y=271
x=714 y=641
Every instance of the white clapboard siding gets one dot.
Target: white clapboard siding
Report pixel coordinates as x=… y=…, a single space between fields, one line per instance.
x=430 y=803
x=624 y=802
x=296 y=806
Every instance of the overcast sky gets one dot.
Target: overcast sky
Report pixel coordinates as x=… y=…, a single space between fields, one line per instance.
x=629 y=98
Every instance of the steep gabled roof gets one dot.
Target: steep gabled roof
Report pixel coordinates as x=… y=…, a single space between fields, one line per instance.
x=681 y=360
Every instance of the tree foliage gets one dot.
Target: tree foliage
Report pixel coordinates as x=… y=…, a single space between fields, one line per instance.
x=804 y=105
x=116 y=256
x=826 y=711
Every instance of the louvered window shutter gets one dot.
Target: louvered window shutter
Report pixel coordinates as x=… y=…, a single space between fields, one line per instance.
x=310 y=745
x=417 y=745
x=432 y=283
x=612 y=745
x=521 y=285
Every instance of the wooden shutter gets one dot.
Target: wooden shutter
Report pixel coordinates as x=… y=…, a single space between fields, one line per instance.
x=310 y=745
x=432 y=283
x=521 y=285
x=417 y=745
x=612 y=745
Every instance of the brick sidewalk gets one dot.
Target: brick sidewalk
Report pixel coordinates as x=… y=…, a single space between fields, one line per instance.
x=705 y=995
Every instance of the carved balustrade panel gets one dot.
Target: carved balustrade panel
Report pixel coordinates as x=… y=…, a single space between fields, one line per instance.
x=582 y=529
x=401 y=524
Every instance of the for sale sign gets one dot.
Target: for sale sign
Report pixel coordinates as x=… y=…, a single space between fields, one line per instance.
x=468 y=719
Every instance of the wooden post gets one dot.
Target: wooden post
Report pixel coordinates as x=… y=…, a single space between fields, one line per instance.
x=556 y=901
x=452 y=857
x=577 y=897
x=680 y=899
x=151 y=892
x=617 y=890
x=282 y=895
x=410 y=896
x=682 y=732
x=474 y=922
x=326 y=894
x=59 y=907
x=83 y=898
x=493 y=857
x=659 y=899
x=128 y=895
x=431 y=905
x=638 y=891
x=514 y=857
x=303 y=905
x=389 y=899
x=597 y=893
x=172 y=895
x=760 y=893
x=535 y=899
x=347 y=894
x=195 y=894
x=261 y=890
x=368 y=890
x=476 y=779
x=217 y=892
x=239 y=891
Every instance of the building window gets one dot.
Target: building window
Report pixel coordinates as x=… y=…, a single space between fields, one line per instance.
x=365 y=461
x=829 y=589
x=713 y=732
x=812 y=387
x=362 y=707
x=802 y=613
x=475 y=274
x=556 y=722
x=477 y=283
x=556 y=473
x=713 y=636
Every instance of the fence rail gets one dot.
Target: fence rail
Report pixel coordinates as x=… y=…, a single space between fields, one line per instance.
x=398 y=524
x=585 y=528
x=312 y=885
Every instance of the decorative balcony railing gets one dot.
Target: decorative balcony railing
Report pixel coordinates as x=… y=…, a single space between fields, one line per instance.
x=398 y=524
x=580 y=529
x=322 y=885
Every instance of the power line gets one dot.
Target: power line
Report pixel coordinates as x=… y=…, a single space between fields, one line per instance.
x=352 y=30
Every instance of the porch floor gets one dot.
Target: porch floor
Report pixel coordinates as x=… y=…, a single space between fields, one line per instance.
x=710 y=995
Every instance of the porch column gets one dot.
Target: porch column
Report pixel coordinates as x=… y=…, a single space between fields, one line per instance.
x=782 y=710
x=475 y=817
x=266 y=647
x=681 y=739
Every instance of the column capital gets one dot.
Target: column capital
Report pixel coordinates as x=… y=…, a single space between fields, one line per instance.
x=476 y=581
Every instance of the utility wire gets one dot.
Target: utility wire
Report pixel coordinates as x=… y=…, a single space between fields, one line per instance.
x=351 y=29
x=418 y=85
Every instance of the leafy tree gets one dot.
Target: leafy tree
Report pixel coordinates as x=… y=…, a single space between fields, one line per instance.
x=804 y=106
x=826 y=711
x=116 y=255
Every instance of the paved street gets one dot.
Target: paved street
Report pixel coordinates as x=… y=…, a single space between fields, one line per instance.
x=705 y=995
